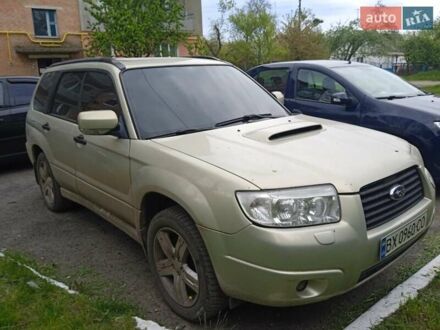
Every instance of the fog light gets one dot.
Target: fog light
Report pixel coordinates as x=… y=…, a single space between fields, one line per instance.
x=302 y=286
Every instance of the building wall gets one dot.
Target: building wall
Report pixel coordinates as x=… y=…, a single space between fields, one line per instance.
x=16 y=15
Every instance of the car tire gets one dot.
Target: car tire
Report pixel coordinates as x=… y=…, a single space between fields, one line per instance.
x=181 y=266
x=50 y=189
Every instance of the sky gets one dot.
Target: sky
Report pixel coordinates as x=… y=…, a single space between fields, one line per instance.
x=331 y=11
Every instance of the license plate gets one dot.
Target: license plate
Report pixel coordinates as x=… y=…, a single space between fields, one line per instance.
x=402 y=235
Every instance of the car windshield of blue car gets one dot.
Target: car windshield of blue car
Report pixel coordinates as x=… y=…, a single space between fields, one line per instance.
x=166 y=101
x=378 y=82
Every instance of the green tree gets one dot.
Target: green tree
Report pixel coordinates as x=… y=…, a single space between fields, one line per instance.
x=302 y=37
x=347 y=40
x=134 y=27
x=423 y=48
x=253 y=34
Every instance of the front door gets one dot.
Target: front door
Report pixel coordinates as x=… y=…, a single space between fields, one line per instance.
x=102 y=162
x=312 y=95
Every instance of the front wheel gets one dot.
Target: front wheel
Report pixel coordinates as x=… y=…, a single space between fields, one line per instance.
x=181 y=266
x=50 y=188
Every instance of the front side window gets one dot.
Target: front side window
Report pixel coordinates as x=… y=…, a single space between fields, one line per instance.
x=166 y=100
x=99 y=93
x=66 y=101
x=273 y=79
x=21 y=93
x=316 y=86
x=45 y=23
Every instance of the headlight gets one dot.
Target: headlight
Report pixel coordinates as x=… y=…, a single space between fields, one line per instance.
x=295 y=207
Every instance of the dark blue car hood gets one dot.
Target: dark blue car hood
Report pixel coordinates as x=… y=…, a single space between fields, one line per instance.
x=428 y=103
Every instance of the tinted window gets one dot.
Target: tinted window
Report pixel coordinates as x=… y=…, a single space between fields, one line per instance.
x=66 y=101
x=316 y=86
x=99 y=93
x=273 y=79
x=169 y=99
x=2 y=95
x=21 y=93
x=44 y=91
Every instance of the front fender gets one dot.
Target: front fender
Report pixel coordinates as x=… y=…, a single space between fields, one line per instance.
x=206 y=192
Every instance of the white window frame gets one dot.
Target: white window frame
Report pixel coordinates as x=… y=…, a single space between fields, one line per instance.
x=48 y=22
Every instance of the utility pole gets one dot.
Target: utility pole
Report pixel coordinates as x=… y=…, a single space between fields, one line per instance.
x=299 y=15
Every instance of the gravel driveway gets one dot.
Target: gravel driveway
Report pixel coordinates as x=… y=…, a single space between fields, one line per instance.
x=79 y=240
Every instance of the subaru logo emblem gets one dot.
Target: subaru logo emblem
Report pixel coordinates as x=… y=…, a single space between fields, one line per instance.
x=397 y=192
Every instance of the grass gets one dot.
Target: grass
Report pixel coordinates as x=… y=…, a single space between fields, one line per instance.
x=28 y=302
x=427 y=75
x=419 y=313
x=433 y=89
x=431 y=248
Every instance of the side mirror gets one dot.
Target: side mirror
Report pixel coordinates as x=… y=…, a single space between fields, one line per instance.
x=97 y=122
x=341 y=98
x=279 y=96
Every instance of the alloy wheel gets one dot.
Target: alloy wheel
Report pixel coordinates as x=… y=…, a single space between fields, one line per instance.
x=176 y=267
x=46 y=182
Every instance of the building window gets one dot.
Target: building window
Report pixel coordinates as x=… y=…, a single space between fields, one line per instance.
x=45 y=22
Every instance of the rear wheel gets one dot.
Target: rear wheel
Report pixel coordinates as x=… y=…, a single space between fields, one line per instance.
x=50 y=188
x=181 y=266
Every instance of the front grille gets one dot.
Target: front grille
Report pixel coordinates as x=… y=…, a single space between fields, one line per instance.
x=376 y=200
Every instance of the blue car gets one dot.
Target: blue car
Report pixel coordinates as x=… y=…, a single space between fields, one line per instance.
x=359 y=94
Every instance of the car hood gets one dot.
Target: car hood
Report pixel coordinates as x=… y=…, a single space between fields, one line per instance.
x=298 y=151
x=427 y=103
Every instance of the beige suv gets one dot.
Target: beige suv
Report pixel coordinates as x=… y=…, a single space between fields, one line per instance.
x=230 y=196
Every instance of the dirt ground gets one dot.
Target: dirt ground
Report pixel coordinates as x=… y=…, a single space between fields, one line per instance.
x=79 y=241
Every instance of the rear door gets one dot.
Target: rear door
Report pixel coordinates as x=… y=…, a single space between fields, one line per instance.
x=19 y=91
x=58 y=127
x=312 y=91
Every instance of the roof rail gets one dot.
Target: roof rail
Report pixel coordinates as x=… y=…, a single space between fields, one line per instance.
x=109 y=60
x=204 y=57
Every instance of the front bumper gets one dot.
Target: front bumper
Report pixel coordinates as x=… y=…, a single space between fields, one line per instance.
x=266 y=265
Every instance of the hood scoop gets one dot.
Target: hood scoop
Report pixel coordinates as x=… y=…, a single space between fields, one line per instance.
x=295 y=131
x=280 y=131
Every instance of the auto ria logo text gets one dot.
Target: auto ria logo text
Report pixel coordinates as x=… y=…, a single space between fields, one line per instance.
x=396 y=18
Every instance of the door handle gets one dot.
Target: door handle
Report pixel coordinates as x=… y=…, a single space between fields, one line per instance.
x=46 y=127
x=80 y=139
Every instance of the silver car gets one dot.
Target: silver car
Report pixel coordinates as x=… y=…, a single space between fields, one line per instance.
x=230 y=196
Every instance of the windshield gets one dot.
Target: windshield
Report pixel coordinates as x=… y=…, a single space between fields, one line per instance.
x=377 y=82
x=166 y=100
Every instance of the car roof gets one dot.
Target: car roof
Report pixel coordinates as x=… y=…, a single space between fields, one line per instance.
x=125 y=63
x=322 y=63
x=19 y=78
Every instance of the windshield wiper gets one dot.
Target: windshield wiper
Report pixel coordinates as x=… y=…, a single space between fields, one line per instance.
x=245 y=119
x=391 y=97
x=181 y=132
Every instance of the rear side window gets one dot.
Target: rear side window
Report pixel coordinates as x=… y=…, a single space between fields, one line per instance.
x=21 y=93
x=273 y=79
x=66 y=100
x=44 y=92
x=99 y=93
